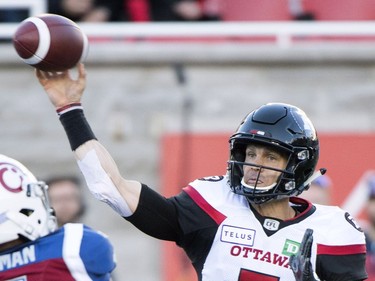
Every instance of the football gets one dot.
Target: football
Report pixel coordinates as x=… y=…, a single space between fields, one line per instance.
x=50 y=42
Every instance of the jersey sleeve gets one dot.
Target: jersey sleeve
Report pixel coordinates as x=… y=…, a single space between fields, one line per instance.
x=345 y=258
x=97 y=254
x=179 y=219
x=172 y=219
x=156 y=215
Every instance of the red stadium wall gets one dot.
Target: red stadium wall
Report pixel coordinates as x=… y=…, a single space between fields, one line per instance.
x=347 y=158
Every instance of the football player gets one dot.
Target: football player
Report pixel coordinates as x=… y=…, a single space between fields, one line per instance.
x=67 y=198
x=244 y=225
x=31 y=247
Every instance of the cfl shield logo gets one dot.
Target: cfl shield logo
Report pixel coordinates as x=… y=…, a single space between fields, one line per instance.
x=290 y=247
x=271 y=224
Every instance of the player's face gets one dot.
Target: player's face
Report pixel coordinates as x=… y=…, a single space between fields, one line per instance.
x=66 y=201
x=266 y=157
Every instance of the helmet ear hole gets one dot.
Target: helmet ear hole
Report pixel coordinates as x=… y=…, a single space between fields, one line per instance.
x=27 y=212
x=238 y=155
x=238 y=152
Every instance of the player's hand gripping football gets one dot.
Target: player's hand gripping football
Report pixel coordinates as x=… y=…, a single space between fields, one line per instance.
x=61 y=88
x=301 y=263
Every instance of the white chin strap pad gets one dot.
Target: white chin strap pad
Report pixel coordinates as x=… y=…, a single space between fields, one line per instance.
x=260 y=188
x=100 y=184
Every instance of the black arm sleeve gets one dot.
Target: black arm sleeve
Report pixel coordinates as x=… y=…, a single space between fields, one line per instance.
x=156 y=216
x=341 y=267
x=177 y=219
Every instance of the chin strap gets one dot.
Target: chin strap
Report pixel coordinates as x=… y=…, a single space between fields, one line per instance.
x=263 y=188
x=314 y=176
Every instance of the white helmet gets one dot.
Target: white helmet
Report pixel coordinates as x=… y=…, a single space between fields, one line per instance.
x=24 y=206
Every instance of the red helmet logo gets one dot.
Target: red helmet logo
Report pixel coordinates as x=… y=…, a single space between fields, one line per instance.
x=11 y=177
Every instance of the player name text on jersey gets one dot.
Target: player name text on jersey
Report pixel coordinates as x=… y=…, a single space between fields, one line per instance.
x=18 y=258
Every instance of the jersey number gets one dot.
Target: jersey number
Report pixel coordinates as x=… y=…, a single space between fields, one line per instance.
x=213 y=178
x=247 y=275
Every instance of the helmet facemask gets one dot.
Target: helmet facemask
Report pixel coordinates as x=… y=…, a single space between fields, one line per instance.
x=283 y=185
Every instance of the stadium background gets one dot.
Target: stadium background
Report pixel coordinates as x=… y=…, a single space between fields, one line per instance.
x=139 y=110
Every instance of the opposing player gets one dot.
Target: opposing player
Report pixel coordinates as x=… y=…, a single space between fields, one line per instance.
x=244 y=225
x=31 y=248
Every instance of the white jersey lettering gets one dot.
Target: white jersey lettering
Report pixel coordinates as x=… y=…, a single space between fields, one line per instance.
x=18 y=258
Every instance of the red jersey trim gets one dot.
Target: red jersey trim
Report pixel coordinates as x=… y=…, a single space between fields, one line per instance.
x=341 y=250
x=51 y=269
x=300 y=201
x=204 y=205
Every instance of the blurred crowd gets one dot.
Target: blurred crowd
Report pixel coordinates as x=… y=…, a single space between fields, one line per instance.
x=200 y=10
x=125 y=10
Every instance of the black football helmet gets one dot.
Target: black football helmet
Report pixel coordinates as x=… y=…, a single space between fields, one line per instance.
x=287 y=129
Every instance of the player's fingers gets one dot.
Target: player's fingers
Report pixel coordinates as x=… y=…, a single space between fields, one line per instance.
x=308 y=233
x=293 y=262
x=57 y=74
x=47 y=75
x=307 y=243
x=81 y=71
x=63 y=74
x=81 y=75
x=41 y=75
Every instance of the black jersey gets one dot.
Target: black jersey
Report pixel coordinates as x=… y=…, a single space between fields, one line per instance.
x=226 y=239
